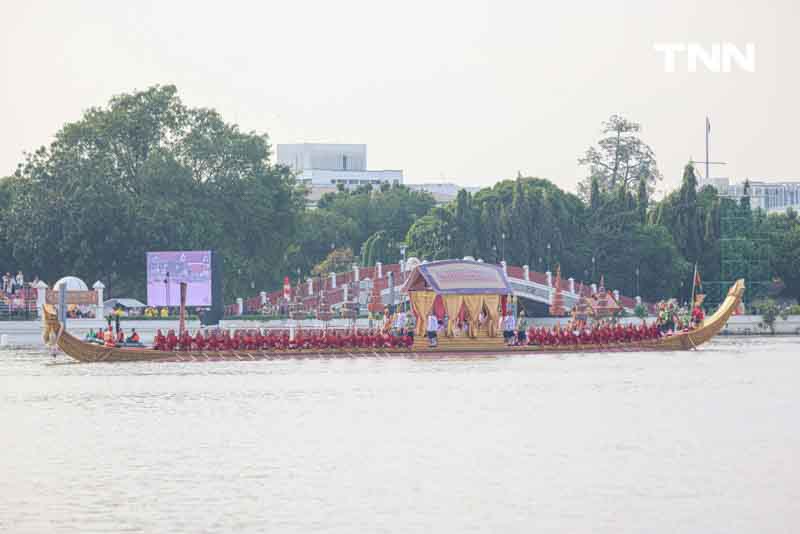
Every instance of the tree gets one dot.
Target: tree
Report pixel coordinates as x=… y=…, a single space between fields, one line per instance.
x=690 y=229
x=784 y=236
x=620 y=159
x=318 y=232
x=594 y=195
x=392 y=209
x=519 y=229
x=642 y=201
x=146 y=173
x=693 y=219
x=426 y=238
x=769 y=310
x=339 y=260
x=464 y=236
x=379 y=248
x=6 y=199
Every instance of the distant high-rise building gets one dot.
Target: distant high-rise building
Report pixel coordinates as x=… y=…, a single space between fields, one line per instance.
x=325 y=166
x=772 y=197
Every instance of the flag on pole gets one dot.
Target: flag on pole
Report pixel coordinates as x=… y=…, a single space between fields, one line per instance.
x=287 y=288
x=697 y=285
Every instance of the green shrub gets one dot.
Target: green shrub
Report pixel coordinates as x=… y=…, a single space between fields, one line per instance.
x=769 y=311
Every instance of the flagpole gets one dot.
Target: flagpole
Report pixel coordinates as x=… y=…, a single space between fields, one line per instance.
x=708 y=131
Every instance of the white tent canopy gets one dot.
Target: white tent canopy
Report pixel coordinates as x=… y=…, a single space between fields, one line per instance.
x=125 y=303
x=73 y=284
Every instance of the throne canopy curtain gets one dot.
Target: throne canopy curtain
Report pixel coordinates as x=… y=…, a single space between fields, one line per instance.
x=492 y=302
x=422 y=301
x=473 y=303
x=452 y=304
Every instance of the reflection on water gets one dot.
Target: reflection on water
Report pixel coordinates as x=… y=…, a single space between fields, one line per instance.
x=701 y=441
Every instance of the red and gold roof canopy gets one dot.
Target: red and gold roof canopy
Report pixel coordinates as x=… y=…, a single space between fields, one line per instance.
x=459 y=277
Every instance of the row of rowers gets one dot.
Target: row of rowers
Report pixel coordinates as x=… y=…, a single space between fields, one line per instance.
x=595 y=335
x=256 y=340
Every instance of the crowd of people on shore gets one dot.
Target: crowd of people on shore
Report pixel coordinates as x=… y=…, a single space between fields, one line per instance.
x=11 y=284
x=17 y=295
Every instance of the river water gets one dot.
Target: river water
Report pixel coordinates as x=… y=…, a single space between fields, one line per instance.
x=705 y=442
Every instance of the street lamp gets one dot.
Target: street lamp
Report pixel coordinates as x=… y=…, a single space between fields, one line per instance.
x=548 y=257
x=637 y=281
x=494 y=252
x=503 y=236
x=593 y=271
x=449 y=252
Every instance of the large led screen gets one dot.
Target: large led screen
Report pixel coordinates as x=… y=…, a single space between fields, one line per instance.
x=166 y=271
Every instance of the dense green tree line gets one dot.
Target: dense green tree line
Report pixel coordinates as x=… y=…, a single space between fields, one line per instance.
x=146 y=172
x=530 y=221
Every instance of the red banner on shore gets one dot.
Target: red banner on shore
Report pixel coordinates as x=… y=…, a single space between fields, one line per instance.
x=79 y=298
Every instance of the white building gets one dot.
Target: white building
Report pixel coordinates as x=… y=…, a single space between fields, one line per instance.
x=324 y=165
x=772 y=197
x=442 y=192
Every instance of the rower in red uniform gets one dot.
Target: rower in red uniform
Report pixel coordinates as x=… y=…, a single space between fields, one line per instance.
x=254 y=337
x=259 y=339
x=248 y=340
x=213 y=342
x=199 y=341
x=285 y=340
x=185 y=341
x=160 y=342
x=369 y=339
x=172 y=340
x=312 y=340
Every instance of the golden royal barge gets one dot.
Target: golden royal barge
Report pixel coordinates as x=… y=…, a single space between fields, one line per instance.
x=476 y=287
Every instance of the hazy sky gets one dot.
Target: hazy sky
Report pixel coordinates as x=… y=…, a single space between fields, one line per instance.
x=470 y=92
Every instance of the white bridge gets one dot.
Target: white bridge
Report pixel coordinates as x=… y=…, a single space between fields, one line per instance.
x=386 y=280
